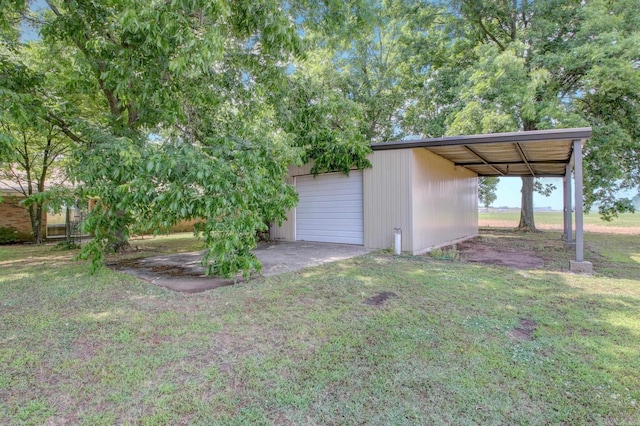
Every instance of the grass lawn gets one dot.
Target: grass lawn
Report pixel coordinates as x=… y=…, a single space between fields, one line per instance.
x=454 y=343
x=625 y=223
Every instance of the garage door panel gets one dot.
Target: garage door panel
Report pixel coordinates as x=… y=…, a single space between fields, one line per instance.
x=335 y=218
x=330 y=208
x=344 y=207
x=344 y=203
x=333 y=195
x=341 y=228
x=343 y=238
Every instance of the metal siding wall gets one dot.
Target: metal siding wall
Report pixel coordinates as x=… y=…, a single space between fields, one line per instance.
x=387 y=199
x=301 y=170
x=287 y=231
x=445 y=201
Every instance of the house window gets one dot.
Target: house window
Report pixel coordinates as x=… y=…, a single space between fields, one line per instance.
x=74 y=215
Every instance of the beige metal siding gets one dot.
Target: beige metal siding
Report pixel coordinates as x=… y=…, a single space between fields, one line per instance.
x=387 y=198
x=445 y=201
x=286 y=231
x=301 y=170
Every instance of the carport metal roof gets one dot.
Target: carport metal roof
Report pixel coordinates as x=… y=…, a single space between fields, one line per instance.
x=539 y=153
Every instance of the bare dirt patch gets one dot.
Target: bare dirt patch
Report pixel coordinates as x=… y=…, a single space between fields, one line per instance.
x=380 y=298
x=477 y=251
x=524 y=331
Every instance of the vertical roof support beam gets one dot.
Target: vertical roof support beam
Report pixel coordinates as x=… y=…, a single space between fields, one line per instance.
x=579 y=265
x=568 y=225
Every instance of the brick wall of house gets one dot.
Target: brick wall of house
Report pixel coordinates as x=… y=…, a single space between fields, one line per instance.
x=13 y=214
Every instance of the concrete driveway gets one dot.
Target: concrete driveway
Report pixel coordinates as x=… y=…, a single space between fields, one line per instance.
x=182 y=272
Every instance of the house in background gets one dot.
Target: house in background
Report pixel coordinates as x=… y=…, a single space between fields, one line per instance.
x=427 y=188
x=13 y=214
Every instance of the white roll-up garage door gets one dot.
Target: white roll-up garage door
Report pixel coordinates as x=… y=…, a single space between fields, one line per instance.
x=330 y=208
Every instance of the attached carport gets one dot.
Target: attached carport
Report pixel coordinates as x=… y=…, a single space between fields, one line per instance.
x=539 y=153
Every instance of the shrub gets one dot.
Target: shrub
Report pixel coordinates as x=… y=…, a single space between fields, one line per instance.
x=10 y=235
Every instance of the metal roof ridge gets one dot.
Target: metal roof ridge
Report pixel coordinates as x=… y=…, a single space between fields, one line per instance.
x=508 y=137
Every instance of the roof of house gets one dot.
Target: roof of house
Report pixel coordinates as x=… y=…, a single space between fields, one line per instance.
x=18 y=187
x=532 y=153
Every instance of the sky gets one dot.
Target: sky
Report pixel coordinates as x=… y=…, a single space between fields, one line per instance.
x=508 y=193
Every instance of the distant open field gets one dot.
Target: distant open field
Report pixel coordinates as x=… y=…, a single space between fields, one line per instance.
x=627 y=223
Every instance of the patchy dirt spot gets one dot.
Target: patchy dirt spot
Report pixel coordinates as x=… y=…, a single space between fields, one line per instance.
x=524 y=331
x=477 y=251
x=174 y=271
x=380 y=298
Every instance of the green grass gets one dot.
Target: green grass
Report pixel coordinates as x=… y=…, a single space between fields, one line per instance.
x=624 y=220
x=305 y=348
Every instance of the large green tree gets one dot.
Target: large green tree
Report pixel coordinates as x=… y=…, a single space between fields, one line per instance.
x=526 y=65
x=185 y=123
x=186 y=129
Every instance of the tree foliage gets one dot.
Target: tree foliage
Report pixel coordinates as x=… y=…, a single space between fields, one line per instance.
x=36 y=162
x=487 y=187
x=194 y=109
x=195 y=75
x=508 y=66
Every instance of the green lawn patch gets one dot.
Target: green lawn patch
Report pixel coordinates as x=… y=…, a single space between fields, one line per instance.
x=555 y=218
x=373 y=340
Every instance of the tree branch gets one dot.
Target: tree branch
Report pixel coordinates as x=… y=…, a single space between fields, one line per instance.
x=488 y=33
x=62 y=125
x=98 y=67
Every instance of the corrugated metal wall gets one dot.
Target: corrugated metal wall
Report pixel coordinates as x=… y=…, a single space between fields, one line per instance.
x=387 y=198
x=301 y=170
x=287 y=231
x=432 y=201
x=445 y=201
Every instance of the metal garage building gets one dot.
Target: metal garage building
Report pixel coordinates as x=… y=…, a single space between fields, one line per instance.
x=427 y=188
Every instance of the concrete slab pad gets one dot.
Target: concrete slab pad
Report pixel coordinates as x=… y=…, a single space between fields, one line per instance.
x=183 y=272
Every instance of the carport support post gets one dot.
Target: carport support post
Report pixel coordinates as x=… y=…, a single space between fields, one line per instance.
x=568 y=225
x=579 y=265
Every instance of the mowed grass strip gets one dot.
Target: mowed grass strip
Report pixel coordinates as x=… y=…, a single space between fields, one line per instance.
x=625 y=223
x=449 y=343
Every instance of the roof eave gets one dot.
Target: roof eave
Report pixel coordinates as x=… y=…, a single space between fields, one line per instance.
x=579 y=133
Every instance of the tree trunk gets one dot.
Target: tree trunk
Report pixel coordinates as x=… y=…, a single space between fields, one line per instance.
x=67 y=224
x=118 y=241
x=35 y=214
x=527 y=222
